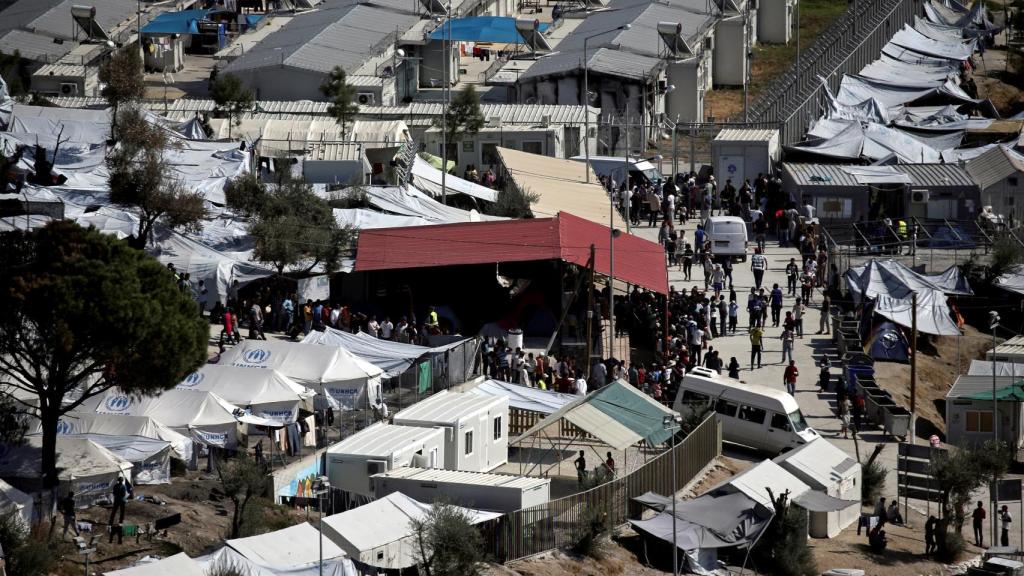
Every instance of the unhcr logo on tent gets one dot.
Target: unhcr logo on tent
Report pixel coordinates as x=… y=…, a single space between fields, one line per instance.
x=192 y=380
x=256 y=356
x=118 y=403
x=64 y=427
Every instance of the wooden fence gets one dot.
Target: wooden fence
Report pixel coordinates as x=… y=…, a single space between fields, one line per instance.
x=560 y=523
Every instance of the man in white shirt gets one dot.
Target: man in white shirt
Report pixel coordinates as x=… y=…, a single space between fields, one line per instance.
x=387 y=329
x=581 y=387
x=335 y=315
x=373 y=328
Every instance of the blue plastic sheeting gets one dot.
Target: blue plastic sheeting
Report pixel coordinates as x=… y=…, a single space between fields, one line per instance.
x=183 y=22
x=500 y=29
x=253 y=19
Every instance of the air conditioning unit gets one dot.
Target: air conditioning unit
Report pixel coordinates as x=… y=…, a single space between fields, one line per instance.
x=494 y=122
x=919 y=197
x=366 y=98
x=68 y=89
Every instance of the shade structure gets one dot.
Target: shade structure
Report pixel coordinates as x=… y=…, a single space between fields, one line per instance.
x=1011 y=393
x=81 y=422
x=524 y=397
x=566 y=237
x=498 y=29
x=390 y=356
x=618 y=415
x=83 y=466
x=178 y=565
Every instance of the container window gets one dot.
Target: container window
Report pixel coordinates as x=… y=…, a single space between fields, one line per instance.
x=469 y=443
x=497 y=428
x=979 y=421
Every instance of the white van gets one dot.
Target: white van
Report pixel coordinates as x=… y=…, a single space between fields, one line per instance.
x=756 y=416
x=728 y=236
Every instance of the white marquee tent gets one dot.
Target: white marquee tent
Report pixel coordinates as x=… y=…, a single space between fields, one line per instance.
x=329 y=370
x=84 y=466
x=177 y=565
x=293 y=551
x=269 y=393
x=90 y=423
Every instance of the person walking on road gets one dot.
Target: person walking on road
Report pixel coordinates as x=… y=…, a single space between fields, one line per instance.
x=792 y=273
x=978 y=518
x=756 y=335
x=798 y=317
x=754 y=308
x=789 y=378
x=776 y=304
x=787 y=345
x=758 y=264
x=825 y=323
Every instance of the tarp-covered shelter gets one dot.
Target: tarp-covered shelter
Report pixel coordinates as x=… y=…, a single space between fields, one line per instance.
x=380 y=533
x=268 y=393
x=79 y=422
x=427 y=178
x=496 y=29
x=618 y=415
x=1013 y=280
x=566 y=237
x=892 y=278
x=561 y=185
x=525 y=397
x=330 y=370
x=178 y=565
x=933 y=315
x=15 y=501
x=887 y=342
x=292 y=551
x=704 y=524
x=83 y=466
x=390 y=356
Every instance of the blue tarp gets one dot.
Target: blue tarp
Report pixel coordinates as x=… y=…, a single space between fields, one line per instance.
x=252 y=19
x=499 y=29
x=183 y=22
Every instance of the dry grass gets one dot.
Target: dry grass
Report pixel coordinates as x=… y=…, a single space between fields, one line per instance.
x=771 y=60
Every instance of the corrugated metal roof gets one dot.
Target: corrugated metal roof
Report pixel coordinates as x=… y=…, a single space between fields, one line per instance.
x=937 y=175
x=753 y=482
x=340 y=34
x=818 y=175
x=994 y=165
x=464 y=477
x=333 y=152
x=967 y=385
x=383 y=439
x=819 y=459
x=33 y=46
x=448 y=407
x=23 y=12
x=60 y=70
x=1012 y=349
x=747 y=135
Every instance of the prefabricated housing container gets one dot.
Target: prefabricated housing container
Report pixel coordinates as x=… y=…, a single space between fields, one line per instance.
x=827 y=468
x=739 y=154
x=475 y=428
x=380 y=448
x=478 y=490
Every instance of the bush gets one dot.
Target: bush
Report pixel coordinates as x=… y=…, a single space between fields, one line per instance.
x=951 y=547
x=28 y=553
x=512 y=203
x=593 y=528
x=872 y=482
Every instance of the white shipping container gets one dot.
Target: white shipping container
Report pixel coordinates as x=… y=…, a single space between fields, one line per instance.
x=478 y=490
x=380 y=448
x=739 y=154
x=475 y=428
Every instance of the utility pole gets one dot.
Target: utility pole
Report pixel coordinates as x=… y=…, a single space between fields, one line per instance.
x=625 y=176
x=445 y=44
x=913 y=368
x=590 y=310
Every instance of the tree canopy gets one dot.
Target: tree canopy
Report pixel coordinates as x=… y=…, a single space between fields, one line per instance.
x=342 y=97
x=140 y=179
x=246 y=194
x=82 y=311
x=447 y=543
x=123 y=83
x=464 y=117
x=294 y=226
x=232 y=97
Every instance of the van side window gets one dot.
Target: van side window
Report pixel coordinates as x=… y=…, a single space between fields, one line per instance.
x=780 y=422
x=751 y=414
x=691 y=397
x=725 y=408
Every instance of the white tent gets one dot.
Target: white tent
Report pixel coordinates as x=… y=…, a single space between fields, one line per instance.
x=177 y=565
x=293 y=551
x=984 y=368
x=380 y=533
x=427 y=178
x=329 y=370
x=524 y=397
x=84 y=466
x=151 y=459
x=392 y=357
x=81 y=422
x=14 y=500
x=204 y=416
x=269 y=393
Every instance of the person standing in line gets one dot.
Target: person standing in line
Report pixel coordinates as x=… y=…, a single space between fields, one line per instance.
x=758 y=264
x=756 y=335
x=825 y=322
x=723 y=313
x=978 y=522
x=787 y=345
x=789 y=378
x=1004 y=521
x=734 y=315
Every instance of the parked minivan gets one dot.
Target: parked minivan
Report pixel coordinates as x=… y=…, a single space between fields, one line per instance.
x=756 y=416
x=728 y=237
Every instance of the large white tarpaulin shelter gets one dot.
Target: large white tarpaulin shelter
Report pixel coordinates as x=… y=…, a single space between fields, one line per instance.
x=92 y=423
x=363 y=219
x=83 y=466
x=293 y=551
x=409 y=201
x=266 y=393
x=330 y=370
x=933 y=315
x=178 y=565
x=428 y=179
x=1012 y=280
x=894 y=279
x=524 y=397
x=390 y=356
x=380 y=533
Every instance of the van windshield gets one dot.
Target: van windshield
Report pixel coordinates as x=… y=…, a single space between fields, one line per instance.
x=727 y=228
x=799 y=424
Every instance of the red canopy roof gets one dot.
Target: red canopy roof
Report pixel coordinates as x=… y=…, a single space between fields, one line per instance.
x=564 y=237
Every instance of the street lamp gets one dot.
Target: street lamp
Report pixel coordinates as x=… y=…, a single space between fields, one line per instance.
x=321 y=486
x=993 y=321
x=445 y=94
x=673 y=424
x=586 y=96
